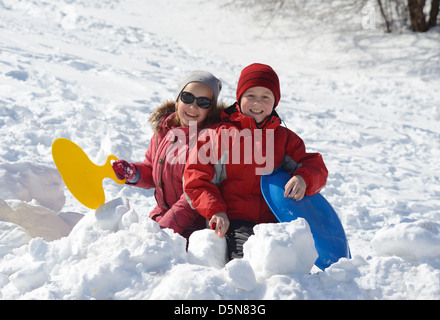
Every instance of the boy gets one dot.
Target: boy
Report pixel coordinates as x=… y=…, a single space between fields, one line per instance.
x=226 y=190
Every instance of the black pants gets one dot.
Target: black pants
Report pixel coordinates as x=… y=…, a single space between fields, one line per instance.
x=238 y=233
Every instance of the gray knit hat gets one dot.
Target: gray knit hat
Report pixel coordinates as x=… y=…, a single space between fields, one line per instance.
x=201 y=76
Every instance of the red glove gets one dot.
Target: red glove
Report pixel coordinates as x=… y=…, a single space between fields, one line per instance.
x=124 y=170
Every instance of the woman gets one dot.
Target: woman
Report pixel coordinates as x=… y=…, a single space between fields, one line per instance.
x=196 y=103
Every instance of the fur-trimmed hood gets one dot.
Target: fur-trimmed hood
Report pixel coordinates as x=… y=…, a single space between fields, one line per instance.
x=168 y=108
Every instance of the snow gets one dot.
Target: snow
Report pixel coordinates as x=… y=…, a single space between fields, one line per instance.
x=92 y=71
x=284 y=248
x=207 y=249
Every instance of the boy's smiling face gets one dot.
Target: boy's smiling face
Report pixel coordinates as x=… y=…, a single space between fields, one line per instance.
x=257 y=102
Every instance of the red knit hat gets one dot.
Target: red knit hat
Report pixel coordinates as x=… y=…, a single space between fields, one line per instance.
x=259 y=75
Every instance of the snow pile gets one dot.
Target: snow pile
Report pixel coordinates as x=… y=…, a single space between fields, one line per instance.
x=284 y=248
x=27 y=181
x=414 y=240
x=37 y=196
x=114 y=253
x=106 y=252
x=367 y=101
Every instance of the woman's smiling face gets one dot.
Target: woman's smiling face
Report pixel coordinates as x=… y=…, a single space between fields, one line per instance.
x=191 y=112
x=257 y=102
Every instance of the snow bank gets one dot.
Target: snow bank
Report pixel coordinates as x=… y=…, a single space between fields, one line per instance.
x=415 y=240
x=27 y=181
x=114 y=253
x=35 y=195
x=105 y=253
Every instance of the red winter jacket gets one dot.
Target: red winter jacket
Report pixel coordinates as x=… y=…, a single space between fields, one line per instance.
x=233 y=187
x=158 y=171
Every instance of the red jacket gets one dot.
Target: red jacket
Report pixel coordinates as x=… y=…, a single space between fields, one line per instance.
x=157 y=171
x=234 y=187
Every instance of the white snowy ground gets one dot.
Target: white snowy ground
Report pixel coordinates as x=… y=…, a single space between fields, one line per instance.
x=92 y=71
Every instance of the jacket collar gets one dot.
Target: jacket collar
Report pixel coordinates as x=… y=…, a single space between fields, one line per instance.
x=233 y=114
x=168 y=122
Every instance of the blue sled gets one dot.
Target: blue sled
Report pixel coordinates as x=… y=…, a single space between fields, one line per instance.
x=328 y=233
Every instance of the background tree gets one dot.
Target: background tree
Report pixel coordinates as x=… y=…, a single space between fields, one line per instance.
x=412 y=10
x=418 y=15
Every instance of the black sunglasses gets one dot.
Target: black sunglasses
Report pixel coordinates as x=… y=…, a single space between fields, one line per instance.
x=188 y=97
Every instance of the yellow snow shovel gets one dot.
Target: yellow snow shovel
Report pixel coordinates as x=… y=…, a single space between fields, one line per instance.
x=82 y=177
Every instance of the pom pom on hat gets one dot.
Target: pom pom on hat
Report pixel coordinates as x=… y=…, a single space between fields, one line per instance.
x=259 y=75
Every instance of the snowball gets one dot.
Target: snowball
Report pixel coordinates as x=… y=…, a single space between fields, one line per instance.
x=241 y=274
x=110 y=213
x=281 y=248
x=205 y=248
x=411 y=239
x=128 y=219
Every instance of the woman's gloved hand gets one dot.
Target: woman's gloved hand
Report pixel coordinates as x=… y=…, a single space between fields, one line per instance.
x=124 y=170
